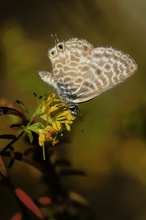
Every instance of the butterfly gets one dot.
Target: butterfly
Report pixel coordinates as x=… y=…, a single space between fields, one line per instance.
x=81 y=72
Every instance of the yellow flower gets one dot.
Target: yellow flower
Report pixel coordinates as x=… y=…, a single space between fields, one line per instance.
x=51 y=105
x=48 y=134
x=63 y=120
x=57 y=117
x=55 y=113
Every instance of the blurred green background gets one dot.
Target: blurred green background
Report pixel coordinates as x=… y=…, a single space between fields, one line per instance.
x=112 y=149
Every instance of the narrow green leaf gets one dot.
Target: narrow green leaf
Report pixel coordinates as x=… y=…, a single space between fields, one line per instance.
x=36 y=126
x=23 y=107
x=30 y=135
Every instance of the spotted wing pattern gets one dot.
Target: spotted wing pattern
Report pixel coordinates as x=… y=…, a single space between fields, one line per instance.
x=81 y=73
x=108 y=68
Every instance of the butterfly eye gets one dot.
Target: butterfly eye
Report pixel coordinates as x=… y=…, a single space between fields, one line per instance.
x=60 y=46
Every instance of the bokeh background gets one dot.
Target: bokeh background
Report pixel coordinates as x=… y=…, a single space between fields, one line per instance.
x=112 y=149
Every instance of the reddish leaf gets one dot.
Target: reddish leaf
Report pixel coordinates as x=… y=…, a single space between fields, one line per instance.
x=28 y=202
x=17 y=216
x=45 y=201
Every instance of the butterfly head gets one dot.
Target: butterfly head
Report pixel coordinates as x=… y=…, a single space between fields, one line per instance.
x=73 y=109
x=55 y=51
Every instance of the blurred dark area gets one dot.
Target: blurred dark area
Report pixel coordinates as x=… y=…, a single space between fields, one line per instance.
x=112 y=149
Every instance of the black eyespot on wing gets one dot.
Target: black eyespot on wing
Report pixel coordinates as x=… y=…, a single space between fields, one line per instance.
x=60 y=46
x=52 y=52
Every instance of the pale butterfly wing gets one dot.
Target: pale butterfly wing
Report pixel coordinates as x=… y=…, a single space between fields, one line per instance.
x=71 y=65
x=48 y=78
x=80 y=73
x=108 y=68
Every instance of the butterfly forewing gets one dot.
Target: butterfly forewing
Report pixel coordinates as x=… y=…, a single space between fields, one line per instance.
x=74 y=66
x=81 y=73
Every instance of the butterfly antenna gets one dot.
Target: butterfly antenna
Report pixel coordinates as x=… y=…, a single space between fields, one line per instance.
x=55 y=38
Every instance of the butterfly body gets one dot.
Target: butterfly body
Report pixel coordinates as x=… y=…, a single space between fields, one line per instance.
x=81 y=72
